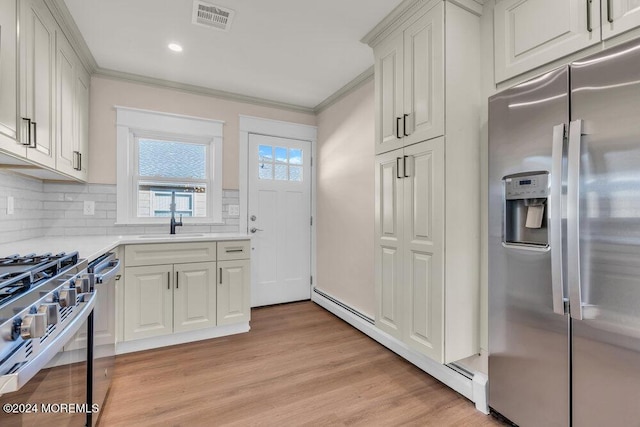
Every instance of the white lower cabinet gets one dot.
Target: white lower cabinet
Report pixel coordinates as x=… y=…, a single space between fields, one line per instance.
x=164 y=294
x=194 y=296
x=233 y=291
x=148 y=293
x=410 y=245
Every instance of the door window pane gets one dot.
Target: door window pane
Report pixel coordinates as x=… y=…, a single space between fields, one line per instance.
x=295 y=173
x=295 y=156
x=265 y=171
x=281 y=173
x=265 y=152
x=281 y=154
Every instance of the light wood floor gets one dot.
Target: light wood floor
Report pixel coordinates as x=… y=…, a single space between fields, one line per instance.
x=299 y=365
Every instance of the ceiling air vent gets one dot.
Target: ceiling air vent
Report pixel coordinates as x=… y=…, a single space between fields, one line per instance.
x=212 y=16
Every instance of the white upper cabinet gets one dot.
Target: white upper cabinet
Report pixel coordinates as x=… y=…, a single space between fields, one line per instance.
x=72 y=110
x=619 y=16
x=38 y=32
x=423 y=113
x=409 y=70
x=530 y=33
x=9 y=122
x=389 y=97
x=44 y=95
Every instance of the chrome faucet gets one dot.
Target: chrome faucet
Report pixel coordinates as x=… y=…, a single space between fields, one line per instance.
x=173 y=224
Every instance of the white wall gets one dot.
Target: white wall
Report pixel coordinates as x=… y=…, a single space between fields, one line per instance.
x=345 y=200
x=107 y=93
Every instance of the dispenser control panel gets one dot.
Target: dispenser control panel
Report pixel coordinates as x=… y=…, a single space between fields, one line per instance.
x=527 y=186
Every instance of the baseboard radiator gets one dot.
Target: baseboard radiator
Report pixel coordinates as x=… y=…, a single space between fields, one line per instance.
x=471 y=385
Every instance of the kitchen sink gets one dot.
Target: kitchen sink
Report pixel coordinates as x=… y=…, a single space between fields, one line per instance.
x=170 y=236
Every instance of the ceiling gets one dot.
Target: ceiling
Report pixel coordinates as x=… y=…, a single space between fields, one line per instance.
x=289 y=51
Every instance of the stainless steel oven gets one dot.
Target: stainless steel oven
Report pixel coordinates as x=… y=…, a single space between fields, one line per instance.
x=103 y=274
x=46 y=341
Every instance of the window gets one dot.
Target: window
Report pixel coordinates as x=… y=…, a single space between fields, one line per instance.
x=280 y=163
x=168 y=162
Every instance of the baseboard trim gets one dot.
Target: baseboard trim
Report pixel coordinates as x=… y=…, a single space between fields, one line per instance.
x=474 y=389
x=181 y=338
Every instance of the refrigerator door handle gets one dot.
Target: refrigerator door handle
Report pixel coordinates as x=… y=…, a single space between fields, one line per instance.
x=555 y=219
x=573 y=219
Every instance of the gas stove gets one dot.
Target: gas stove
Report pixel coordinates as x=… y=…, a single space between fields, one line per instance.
x=20 y=274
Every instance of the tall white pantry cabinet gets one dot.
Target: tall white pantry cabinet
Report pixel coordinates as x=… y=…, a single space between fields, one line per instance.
x=427 y=226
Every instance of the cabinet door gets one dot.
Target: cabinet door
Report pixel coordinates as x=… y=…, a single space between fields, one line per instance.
x=424 y=77
x=38 y=71
x=423 y=251
x=9 y=124
x=148 y=305
x=72 y=111
x=523 y=43
x=194 y=296
x=388 y=241
x=233 y=291
x=388 y=94
x=65 y=88
x=81 y=114
x=619 y=16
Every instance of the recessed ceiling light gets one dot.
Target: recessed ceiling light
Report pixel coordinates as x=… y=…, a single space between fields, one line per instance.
x=175 y=47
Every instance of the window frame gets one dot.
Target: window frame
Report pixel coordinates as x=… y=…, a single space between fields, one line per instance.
x=134 y=124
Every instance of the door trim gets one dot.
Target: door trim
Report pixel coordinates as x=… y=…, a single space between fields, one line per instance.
x=256 y=125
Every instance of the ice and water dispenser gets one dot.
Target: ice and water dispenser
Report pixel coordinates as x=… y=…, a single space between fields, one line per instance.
x=525 y=206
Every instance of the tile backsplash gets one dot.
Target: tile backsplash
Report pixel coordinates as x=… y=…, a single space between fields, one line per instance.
x=56 y=209
x=26 y=222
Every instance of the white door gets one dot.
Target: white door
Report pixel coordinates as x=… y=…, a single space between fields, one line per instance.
x=279 y=216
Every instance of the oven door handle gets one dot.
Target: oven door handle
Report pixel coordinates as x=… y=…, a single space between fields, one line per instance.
x=16 y=380
x=106 y=277
x=101 y=262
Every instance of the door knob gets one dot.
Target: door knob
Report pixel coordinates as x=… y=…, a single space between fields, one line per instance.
x=253 y=229
x=253 y=218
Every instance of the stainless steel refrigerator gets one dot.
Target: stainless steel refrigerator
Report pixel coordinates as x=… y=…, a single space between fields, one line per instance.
x=564 y=245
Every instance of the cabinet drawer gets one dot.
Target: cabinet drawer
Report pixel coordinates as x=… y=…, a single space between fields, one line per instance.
x=169 y=253
x=238 y=249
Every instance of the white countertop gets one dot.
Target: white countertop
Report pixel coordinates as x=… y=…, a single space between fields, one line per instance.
x=91 y=247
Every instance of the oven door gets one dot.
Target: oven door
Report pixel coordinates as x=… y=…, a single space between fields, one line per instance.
x=53 y=388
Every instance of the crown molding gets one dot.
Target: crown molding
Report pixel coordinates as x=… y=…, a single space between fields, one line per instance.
x=473 y=6
x=199 y=90
x=408 y=8
x=345 y=90
x=64 y=19
x=72 y=32
x=392 y=21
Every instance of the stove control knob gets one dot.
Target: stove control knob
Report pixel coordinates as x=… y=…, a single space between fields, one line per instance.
x=51 y=311
x=33 y=326
x=82 y=285
x=68 y=297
